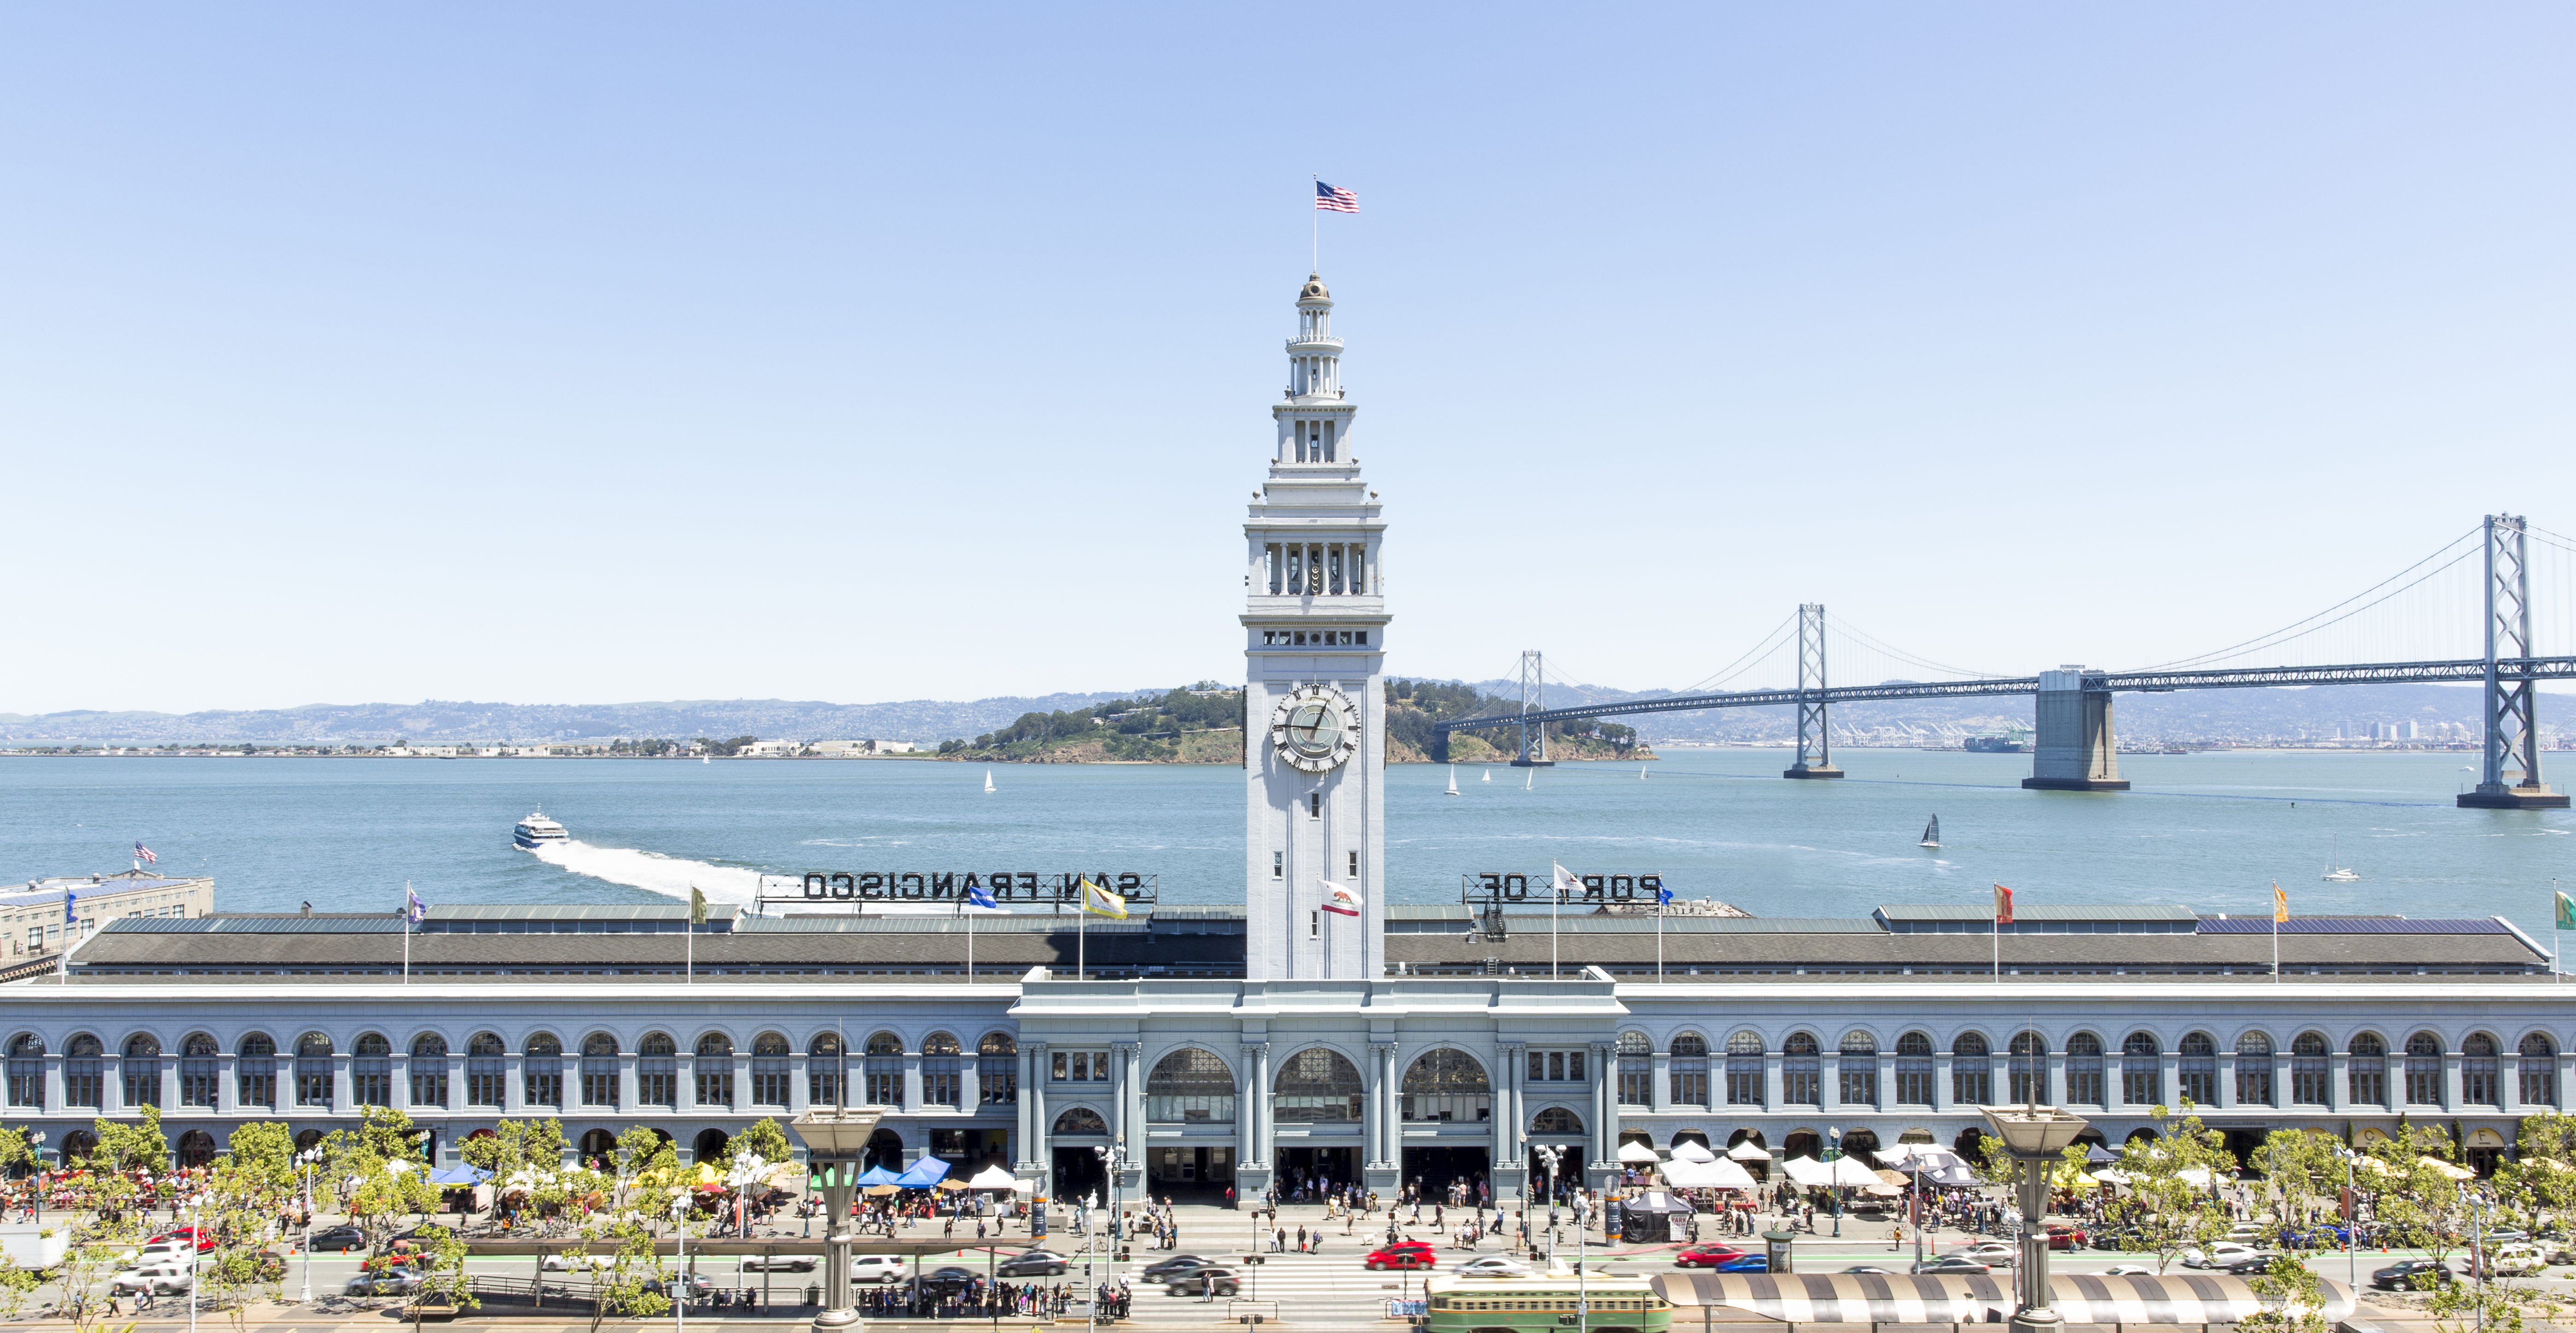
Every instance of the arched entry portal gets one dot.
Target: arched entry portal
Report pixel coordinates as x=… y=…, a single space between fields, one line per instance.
x=599 y=1148
x=1970 y=1145
x=1802 y=1143
x=1863 y=1144
x=1078 y=1171
x=885 y=1149
x=710 y=1146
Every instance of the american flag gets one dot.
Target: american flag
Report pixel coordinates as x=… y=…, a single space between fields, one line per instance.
x=1338 y=200
x=144 y=854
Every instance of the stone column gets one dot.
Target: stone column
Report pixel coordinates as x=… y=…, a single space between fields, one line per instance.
x=684 y=1093
x=2054 y=1093
x=800 y=1083
x=514 y=1083
x=742 y=1083
x=2451 y=1081
x=1944 y=1092
x=1378 y=1094
x=344 y=1093
x=1265 y=1138
x=2226 y=1080
x=2509 y=1082
x=2339 y=1082
x=456 y=1082
x=1131 y=1069
x=1829 y=1081
x=629 y=1089
x=2559 y=1071
x=1772 y=1084
x=1507 y=1102
x=912 y=1082
x=1605 y=1107
x=1659 y=1085
x=227 y=1084
x=54 y=1086
x=1887 y=1079
x=2169 y=1079
x=1041 y=1127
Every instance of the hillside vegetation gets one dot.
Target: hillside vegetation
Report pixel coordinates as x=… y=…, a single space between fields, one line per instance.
x=1204 y=725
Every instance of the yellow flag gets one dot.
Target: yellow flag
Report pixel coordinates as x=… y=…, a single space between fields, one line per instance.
x=2280 y=904
x=697 y=906
x=1101 y=902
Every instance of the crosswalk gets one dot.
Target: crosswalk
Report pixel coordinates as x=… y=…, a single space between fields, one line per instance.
x=1312 y=1290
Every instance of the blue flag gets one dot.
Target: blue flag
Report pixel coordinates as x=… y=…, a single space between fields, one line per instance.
x=979 y=896
x=70 y=901
x=1663 y=897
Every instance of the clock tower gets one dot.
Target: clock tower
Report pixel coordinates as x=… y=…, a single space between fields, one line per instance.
x=1314 y=751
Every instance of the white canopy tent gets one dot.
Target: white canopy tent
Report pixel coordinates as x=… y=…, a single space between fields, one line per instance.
x=1692 y=1150
x=1843 y=1171
x=994 y=1178
x=1633 y=1153
x=1716 y=1174
x=1749 y=1151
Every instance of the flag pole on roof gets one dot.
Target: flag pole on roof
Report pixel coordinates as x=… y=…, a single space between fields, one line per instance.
x=2003 y=918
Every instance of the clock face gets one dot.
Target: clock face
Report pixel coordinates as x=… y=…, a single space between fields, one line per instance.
x=1313 y=728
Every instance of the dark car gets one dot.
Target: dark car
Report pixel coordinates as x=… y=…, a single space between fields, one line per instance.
x=338 y=1240
x=1706 y=1256
x=397 y=1282
x=1746 y=1263
x=1162 y=1270
x=2410 y=1274
x=1031 y=1263
x=945 y=1278
x=1402 y=1254
x=1953 y=1263
x=2252 y=1263
x=1211 y=1280
x=2110 y=1240
x=1866 y=1268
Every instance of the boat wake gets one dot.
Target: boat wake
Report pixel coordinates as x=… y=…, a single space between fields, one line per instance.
x=652 y=871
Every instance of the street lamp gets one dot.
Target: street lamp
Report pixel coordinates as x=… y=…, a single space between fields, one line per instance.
x=2034 y=1135
x=836 y=1139
x=36 y=1149
x=1550 y=1153
x=1833 y=1154
x=307 y=1160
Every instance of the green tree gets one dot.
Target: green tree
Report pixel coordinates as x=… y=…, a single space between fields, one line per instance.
x=264 y=1152
x=15 y=1151
x=127 y=1147
x=378 y=1172
x=524 y=1158
x=2294 y=1300
x=2415 y=1190
x=98 y=1250
x=16 y=1285
x=2169 y=1197
x=443 y=1272
x=626 y=1273
x=761 y=1138
x=2303 y=1169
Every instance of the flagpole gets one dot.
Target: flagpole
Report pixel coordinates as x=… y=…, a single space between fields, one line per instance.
x=406 y=919
x=1659 y=936
x=1081 y=927
x=1315 y=231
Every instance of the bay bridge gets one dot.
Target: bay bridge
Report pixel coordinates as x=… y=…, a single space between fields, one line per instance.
x=2476 y=592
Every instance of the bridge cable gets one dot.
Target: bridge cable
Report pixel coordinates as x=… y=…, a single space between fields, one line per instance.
x=2312 y=623
x=1900 y=655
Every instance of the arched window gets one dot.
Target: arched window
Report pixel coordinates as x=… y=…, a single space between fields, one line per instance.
x=771 y=1062
x=371 y=1070
x=1972 y=1070
x=429 y=1070
x=2026 y=1068
x=1555 y=1120
x=541 y=1072
x=825 y=1066
x=1801 y=1070
x=1744 y=1069
x=196 y=1148
x=881 y=1070
x=1913 y=1069
x=27 y=1071
x=313 y=1074
x=1859 y=1069
x=2478 y=1083
x=2423 y=1070
x=657 y=1070
x=599 y=1071
x=1446 y=1083
x=486 y=1063
x=2254 y=1069
x=943 y=1072
x=1081 y=1120
x=255 y=1071
x=1191 y=1086
x=2539 y=1070
x=1316 y=1085
x=2308 y=1068
x=199 y=1076
x=2084 y=1070
x=2196 y=1069
x=997 y=1068
x=712 y=1070
x=2366 y=1071
x=1636 y=1069
x=2142 y=1080
x=143 y=1070
x=1690 y=1069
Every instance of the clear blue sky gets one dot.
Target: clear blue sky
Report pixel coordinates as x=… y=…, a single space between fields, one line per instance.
x=615 y=352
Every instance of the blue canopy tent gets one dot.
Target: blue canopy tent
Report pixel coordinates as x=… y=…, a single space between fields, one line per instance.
x=458 y=1177
x=877 y=1175
x=925 y=1173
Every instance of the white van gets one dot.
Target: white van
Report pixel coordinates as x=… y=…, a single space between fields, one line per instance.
x=2514 y=1259
x=886 y=1268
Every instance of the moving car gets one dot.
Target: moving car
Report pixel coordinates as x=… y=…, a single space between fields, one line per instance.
x=778 y=1263
x=942 y=1279
x=2257 y=1262
x=1162 y=1270
x=2062 y=1237
x=157 y=1279
x=1403 y=1254
x=1871 y=1268
x=2410 y=1275
x=2219 y=1255
x=573 y=1262
x=203 y=1239
x=1987 y=1251
x=1706 y=1256
x=338 y=1240
x=1958 y=1264
x=1211 y=1280
x=1032 y=1263
x=1746 y=1263
x=2128 y=1270
x=884 y=1268
x=1493 y=1265
x=397 y=1282
x=2515 y=1259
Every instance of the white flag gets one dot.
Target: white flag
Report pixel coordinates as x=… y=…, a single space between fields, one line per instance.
x=1566 y=885
x=1341 y=898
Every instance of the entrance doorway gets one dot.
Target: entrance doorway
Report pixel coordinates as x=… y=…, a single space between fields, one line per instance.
x=1312 y=1169
x=1186 y=1173
x=1079 y=1175
x=1569 y=1169
x=1432 y=1171
x=710 y=1146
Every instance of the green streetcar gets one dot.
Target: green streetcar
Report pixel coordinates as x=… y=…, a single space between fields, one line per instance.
x=1528 y=1304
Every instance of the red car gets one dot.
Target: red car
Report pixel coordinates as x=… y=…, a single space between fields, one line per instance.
x=203 y=1239
x=1706 y=1256
x=1403 y=1254
x=2066 y=1238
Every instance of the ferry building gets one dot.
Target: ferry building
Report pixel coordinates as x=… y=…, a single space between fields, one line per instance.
x=1315 y=1031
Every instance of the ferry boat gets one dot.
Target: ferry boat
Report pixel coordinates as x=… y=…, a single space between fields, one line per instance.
x=536 y=831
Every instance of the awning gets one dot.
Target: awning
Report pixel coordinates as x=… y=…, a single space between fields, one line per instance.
x=1636 y=1154
x=877 y=1175
x=1682 y=1174
x=1692 y=1150
x=994 y=1178
x=1843 y=1171
x=925 y=1173
x=1899 y=1298
x=1749 y=1151
x=458 y=1176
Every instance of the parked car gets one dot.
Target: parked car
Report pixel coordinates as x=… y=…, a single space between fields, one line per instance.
x=1178 y=1263
x=1211 y=1280
x=2515 y=1259
x=395 y=1282
x=338 y=1240
x=943 y=1279
x=1955 y=1264
x=2410 y=1274
x=1403 y=1254
x=1492 y=1265
x=2257 y=1262
x=157 y=1279
x=153 y=1253
x=778 y=1263
x=1032 y=1263
x=883 y=1268
x=1706 y=1256
x=2219 y=1255
x=2323 y=1236
x=1746 y=1263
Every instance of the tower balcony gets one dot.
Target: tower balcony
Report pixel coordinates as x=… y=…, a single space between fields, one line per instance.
x=1325 y=341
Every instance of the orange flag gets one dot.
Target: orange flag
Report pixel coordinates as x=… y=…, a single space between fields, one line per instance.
x=2003 y=906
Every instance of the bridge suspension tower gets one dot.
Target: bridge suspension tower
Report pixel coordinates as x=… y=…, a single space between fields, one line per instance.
x=1533 y=752
x=1815 y=747
x=2510 y=778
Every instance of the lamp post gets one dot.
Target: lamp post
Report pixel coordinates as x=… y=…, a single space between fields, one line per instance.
x=1551 y=1154
x=1833 y=1154
x=2034 y=1135
x=36 y=1149
x=836 y=1139
x=306 y=1160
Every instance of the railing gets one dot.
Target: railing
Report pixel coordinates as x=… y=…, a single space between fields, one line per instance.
x=1319 y=340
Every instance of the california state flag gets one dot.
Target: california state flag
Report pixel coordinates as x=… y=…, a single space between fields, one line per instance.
x=1341 y=898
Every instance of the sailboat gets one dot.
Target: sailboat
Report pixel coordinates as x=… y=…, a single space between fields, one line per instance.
x=1489 y=775
x=988 y=782
x=1529 y=780
x=2336 y=874
x=1453 y=779
x=1641 y=772
x=1932 y=834
x=704 y=760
